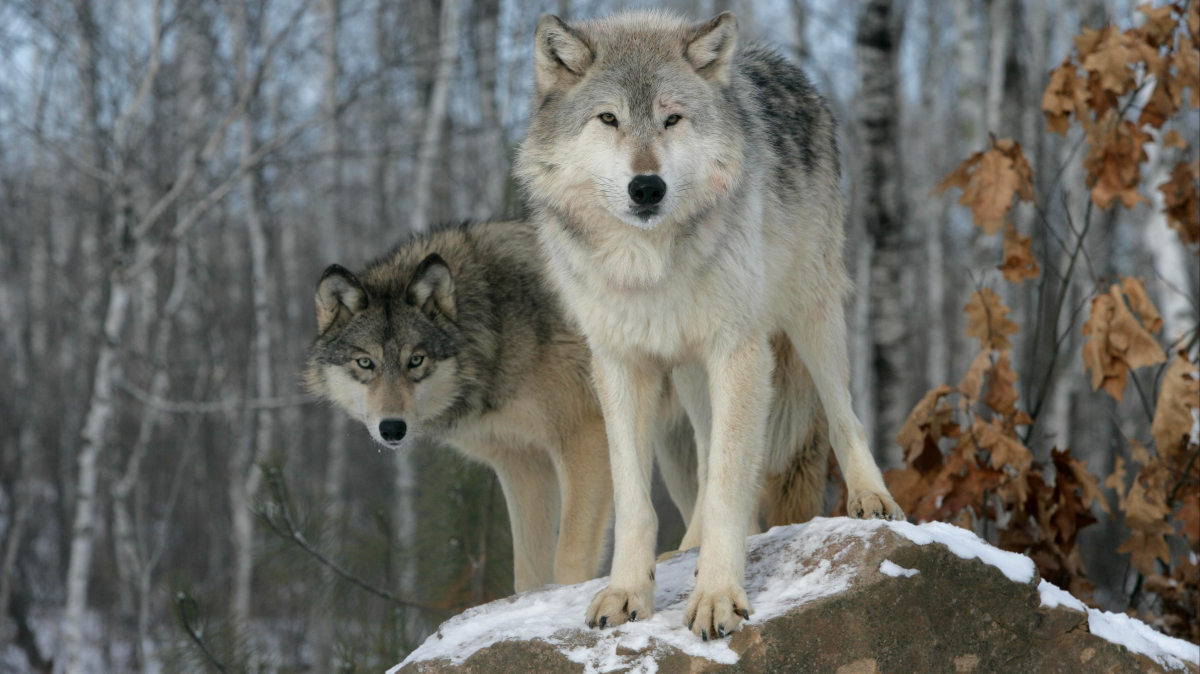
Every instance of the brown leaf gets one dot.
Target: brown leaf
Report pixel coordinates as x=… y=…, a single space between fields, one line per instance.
x=1058 y=101
x=1182 y=200
x=989 y=180
x=1117 y=343
x=916 y=428
x=1187 y=67
x=1173 y=139
x=1115 y=154
x=986 y=319
x=1089 y=485
x=1005 y=449
x=972 y=382
x=1144 y=548
x=1189 y=518
x=1139 y=301
x=1145 y=509
x=1179 y=395
x=1111 y=57
x=1019 y=263
x=1139 y=453
x=1001 y=395
x=1159 y=24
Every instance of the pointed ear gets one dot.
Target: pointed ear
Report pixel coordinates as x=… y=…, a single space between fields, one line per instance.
x=561 y=54
x=432 y=287
x=710 y=48
x=339 y=294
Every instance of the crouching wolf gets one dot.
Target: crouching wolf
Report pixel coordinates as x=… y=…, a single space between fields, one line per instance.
x=687 y=196
x=457 y=336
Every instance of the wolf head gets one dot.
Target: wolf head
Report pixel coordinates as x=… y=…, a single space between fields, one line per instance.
x=633 y=117
x=386 y=351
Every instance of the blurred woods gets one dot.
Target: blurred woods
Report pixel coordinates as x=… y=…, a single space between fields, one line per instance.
x=174 y=175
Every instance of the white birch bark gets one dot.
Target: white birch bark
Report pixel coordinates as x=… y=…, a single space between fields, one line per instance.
x=435 y=118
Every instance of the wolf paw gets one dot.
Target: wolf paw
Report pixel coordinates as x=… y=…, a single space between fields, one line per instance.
x=717 y=612
x=613 y=605
x=870 y=505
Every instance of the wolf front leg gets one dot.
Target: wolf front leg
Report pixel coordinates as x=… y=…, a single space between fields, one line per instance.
x=819 y=336
x=530 y=486
x=628 y=389
x=740 y=391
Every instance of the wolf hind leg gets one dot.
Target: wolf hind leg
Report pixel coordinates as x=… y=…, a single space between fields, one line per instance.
x=530 y=485
x=818 y=334
x=675 y=451
x=586 y=486
x=691 y=384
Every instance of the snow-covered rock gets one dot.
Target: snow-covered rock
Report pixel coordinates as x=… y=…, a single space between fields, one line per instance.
x=834 y=595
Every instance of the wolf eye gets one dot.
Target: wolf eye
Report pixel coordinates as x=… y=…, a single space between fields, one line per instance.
x=416 y=360
x=672 y=120
x=608 y=118
x=365 y=363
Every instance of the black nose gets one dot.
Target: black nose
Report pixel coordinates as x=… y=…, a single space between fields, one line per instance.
x=647 y=189
x=392 y=430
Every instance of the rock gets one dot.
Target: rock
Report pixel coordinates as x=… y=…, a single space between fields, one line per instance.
x=834 y=595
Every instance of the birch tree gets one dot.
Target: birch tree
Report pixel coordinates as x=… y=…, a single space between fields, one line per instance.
x=435 y=117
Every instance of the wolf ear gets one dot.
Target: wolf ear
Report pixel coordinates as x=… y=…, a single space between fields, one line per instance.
x=562 y=54
x=710 y=47
x=338 y=293
x=432 y=287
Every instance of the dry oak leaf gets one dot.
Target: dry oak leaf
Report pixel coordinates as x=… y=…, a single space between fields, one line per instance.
x=1144 y=548
x=1001 y=395
x=1187 y=70
x=972 y=382
x=1146 y=508
x=1189 y=518
x=1117 y=343
x=1115 y=153
x=1089 y=484
x=1139 y=301
x=1140 y=454
x=1019 y=263
x=1110 y=57
x=1005 y=449
x=1172 y=139
x=986 y=319
x=1178 y=399
x=1059 y=99
x=916 y=427
x=1182 y=200
x=989 y=180
x=1159 y=24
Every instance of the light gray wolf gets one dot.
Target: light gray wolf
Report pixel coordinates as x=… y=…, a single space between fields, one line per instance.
x=458 y=336
x=686 y=194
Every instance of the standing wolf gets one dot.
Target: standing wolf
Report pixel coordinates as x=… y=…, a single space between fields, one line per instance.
x=687 y=196
x=458 y=336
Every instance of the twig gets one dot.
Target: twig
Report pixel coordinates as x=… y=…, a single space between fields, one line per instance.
x=187 y=605
x=293 y=533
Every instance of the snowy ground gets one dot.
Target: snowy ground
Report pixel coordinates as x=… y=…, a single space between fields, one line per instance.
x=786 y=567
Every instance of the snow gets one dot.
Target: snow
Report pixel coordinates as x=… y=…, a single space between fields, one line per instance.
x=965 y=544
x=1139 y=637
x=889 y=568
x=1053 y=596
x=786 y=567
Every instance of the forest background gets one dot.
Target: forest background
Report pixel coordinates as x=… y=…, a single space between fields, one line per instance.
x=1022 y=184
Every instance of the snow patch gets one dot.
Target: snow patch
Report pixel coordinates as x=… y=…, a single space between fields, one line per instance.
x=888 y=568
x=785 y=568
x=1139 y=637
x=1053 y=596
x=966 y=544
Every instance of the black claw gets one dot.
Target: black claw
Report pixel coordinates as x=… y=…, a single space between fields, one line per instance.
x=591 y=624
x=704 y=635
x=721 y=630
x=690 y=623
x=632 y=616
x=603 y=621
x=651 y=574
x=742 y=612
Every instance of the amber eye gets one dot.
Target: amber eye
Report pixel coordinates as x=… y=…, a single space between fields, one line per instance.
x=416 y=360
x=672 y=120
x=365 y=363
x=608 y=118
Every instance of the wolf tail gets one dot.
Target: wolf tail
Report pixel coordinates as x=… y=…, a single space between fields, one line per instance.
x=793 y=488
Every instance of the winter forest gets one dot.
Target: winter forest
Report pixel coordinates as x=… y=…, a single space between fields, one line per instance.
x=1021 y=182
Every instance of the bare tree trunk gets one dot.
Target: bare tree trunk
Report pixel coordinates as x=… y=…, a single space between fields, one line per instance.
x=435 y=117
x=800 y=17
x=971 y=88
x=934 y=210
x=882 y=209
x=246 y=476
x=495 y=164
x=1000 y=28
